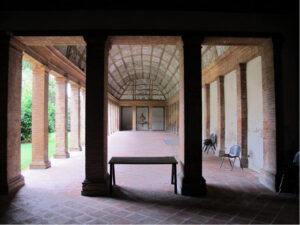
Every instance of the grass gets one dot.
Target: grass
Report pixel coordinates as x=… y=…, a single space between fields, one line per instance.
x=26 y=150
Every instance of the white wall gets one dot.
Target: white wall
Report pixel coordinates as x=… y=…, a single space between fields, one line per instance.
x=213 y=108
x=203 y=112
x=157 y=118
x=230 y=109
x=255 y=113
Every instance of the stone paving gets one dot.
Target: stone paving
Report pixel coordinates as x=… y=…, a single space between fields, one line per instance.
x=143 y=194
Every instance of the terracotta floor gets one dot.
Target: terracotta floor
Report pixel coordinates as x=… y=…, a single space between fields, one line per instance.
x=144 y=194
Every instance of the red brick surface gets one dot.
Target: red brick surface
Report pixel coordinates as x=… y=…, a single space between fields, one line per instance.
x=144 y=193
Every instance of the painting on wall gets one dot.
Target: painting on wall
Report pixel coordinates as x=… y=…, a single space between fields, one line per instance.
x=142 y=120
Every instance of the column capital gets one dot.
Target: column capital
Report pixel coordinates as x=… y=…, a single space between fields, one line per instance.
x=38 y=67
x=60 y=79
x=241 y=67
x=192 y=40
x=95 y=38
x=74 y=85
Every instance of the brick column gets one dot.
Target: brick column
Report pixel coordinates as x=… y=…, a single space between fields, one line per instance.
x=75 y=118
x=96 y=177
x=192 y=182
x=207 y=116
x=134 y=117
x=150 y=117
x=242 y=128
x=82 y=116
x=268 y=172
x=10 y=114
x=221 y=115
x=40 y=86
x=61 y=118
x=166 y=118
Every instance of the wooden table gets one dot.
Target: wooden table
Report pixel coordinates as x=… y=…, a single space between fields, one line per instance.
x=143 y=161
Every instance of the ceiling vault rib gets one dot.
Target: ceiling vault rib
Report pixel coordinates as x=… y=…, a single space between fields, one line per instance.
x=135 y=75
x=117 y=68
x=171 y=88
x=114 y=79
x=142 y=62
x=162 y=53
x=122 y=57
x=172 y=57
x=114 y=89
x=171 y=77
x=124 y=90
x=151 y=54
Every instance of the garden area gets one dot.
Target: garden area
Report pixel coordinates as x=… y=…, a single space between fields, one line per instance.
x=26 y=116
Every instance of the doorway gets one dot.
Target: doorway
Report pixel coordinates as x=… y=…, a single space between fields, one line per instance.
x=126 y=118
x=142 y=118
x=158 y=115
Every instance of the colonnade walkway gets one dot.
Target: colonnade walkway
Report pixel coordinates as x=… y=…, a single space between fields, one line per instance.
x=144 y=194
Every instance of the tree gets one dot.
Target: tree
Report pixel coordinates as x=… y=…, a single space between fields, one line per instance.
x=26 y=102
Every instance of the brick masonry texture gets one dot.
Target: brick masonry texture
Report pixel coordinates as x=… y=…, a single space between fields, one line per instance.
x=144 y=193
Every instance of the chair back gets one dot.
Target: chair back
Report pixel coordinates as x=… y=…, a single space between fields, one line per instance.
x=296 y=159
x=213 y=138
x=235 y=150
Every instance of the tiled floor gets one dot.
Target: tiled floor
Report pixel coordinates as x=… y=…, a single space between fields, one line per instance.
x=144 y=194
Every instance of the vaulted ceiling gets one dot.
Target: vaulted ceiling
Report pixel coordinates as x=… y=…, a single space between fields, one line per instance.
x=142 y=72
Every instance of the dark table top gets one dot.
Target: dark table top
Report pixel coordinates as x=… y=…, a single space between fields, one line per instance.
x=143 y=160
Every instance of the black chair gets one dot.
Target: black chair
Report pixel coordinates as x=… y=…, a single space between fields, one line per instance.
x=233 y=154
x=210 y=143
x=291 y=173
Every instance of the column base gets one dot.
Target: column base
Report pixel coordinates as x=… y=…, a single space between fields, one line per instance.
x=193 y=187
x=221 y=152
x=244 y=161
x=13 y=185
x=95 y=187
x=40 y=165
x=75 y=148
x=267 y=178
x=62 y=155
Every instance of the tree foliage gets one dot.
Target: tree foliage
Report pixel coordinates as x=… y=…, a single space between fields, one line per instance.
x=26 y=107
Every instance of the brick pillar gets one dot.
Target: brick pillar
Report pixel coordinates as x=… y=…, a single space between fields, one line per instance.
x=75 y=118
x=150 y=117
x=221 y=115
x=82 y=116
x=10 y=114
x=242 y=128
x=207 y=116
x=134 y=117
x=192 y=182
x=61 y=118
x=40 y=86
x=96 y=177
x=268 y=172
x=166 y=117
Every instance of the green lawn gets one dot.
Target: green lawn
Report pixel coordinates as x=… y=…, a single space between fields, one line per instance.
x=26 y=150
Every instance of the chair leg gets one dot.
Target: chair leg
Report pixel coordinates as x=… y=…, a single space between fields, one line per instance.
x=281 y=183
x=241 y=165
x=222 y=162
x=233 y=164
x=230 y=162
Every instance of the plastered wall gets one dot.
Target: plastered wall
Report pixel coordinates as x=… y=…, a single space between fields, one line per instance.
x=255 y=114
x=230 y=110
x=213 y=108
x=203 y=112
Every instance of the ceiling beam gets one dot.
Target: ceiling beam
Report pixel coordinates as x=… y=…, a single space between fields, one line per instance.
x=51 y=40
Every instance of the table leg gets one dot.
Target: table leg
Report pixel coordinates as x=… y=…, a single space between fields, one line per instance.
x=172 y=175
x=110 y=178
x=114 y=175
x=175 y=179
